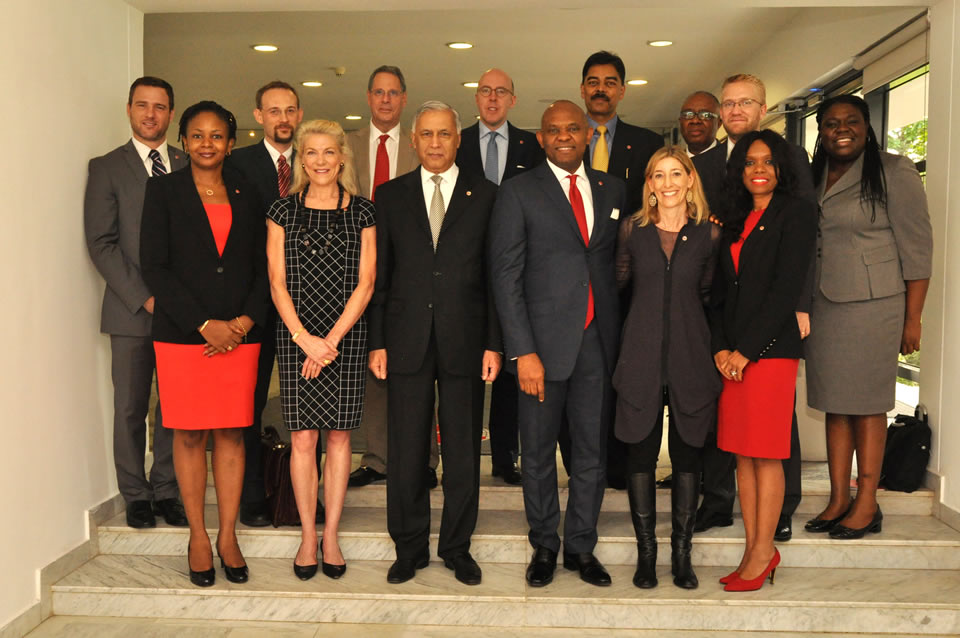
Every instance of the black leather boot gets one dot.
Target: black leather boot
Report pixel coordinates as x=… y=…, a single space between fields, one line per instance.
x=683 y=502
x=642 y=492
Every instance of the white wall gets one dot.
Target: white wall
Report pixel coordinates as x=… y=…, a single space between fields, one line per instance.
x=65 y=67
x=940 y=354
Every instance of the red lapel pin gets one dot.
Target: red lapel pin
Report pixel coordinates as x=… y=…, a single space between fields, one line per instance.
x=599 y=183
x=629 y=147
x=469 y=193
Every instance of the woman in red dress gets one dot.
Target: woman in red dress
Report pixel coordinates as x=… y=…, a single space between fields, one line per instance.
x=202 y=249
x=767 y=247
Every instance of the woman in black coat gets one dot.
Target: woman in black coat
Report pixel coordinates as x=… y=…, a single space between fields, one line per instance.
x=666 y=252
x=764 y=256
x=202 y=249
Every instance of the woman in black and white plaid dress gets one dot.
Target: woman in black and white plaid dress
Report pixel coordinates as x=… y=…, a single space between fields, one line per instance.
x=321 y=250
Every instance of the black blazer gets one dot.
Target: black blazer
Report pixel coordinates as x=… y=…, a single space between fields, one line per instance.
x=632 y=148
x=419 y=291
x=541 y=268
x=523 y=151
x=256 y=165
x=753 y=311
x=191 y=281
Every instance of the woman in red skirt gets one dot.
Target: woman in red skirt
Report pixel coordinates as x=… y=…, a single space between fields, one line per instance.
x=767 y=247
x=202 y=249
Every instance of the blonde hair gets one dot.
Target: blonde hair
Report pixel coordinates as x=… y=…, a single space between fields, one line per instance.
x=347 y=176
x=749 y=79
x=697 y=210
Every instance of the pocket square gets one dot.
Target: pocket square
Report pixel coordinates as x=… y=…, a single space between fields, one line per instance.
x=615 y=213
x=520 y=166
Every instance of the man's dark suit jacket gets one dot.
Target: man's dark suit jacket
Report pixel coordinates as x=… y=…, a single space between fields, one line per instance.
x=257 y=166
x=752 y=308
x=632 y=148
x=541 y=268
x=419 y=291
x=523 y=151
x=191 y=281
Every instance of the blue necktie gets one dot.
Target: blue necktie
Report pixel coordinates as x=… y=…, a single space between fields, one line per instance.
x=158 y=167
x=491 y=167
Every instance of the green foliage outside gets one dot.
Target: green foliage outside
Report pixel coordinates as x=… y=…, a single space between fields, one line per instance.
x=909 y=140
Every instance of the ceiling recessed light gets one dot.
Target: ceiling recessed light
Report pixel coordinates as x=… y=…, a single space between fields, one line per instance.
x=312 y=83
x=354 y=117
x=636 y=82
x=471 y=85
x=264 y=48
x=659 y=43
x=459 y=45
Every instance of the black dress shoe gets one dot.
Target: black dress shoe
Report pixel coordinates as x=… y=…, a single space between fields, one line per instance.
x=591 y=571
x=706 y=520
x=234 y=574
x=363 y=475
x=205 y=578
x=819 y=525
x=403 y=569
x=541 y=568
x=617 y=482
x=842 y=532
x=172 y=511
x=784 y=530
x=254 y=514
x=304 y=572
x=431 y=477
x=464 y=568
x=510 y=474
x=140 y=515
x=329 y=569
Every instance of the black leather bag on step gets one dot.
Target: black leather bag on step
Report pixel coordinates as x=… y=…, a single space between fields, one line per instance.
x=906 y=454
x=278 y=486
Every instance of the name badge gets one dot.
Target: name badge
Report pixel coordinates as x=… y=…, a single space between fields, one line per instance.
x=615 y=213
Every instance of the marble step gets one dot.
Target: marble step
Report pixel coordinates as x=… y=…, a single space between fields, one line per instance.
x=909 y=542
x=893 y=602
x=494 y=495
x=93 y=627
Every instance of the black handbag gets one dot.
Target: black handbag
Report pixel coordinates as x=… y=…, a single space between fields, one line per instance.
x=906 y=454
x=281 y=504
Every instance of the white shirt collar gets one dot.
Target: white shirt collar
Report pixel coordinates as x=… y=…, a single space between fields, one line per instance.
x=562 y=174
x=502 y=131
x=712 y=145
x=375 y=133
x=143 y=151
x=730 y=145
x=275 y=154
x=449 y=176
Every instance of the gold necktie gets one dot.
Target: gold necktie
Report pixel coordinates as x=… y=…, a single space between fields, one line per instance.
x=601 y=157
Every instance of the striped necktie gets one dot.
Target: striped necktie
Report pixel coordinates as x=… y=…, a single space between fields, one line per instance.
x=283 y=176
x=437 y=210
x=158 y=167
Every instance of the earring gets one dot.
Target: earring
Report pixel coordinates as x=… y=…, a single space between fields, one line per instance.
x=652 y=200
x=303 y=166
x=341 y=164
x=690 y=196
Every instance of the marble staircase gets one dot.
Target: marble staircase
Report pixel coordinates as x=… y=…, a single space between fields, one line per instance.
x=903 y=582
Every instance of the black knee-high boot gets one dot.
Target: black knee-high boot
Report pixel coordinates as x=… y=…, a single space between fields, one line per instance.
x=686 y=487
x=642 y=492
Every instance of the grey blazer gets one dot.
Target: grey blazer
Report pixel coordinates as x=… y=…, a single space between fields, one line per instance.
x=112 y=207
x=858 y=259
x=359 y=143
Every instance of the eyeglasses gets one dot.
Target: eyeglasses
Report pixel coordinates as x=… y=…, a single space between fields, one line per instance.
x=703 y=115
x=379 y=93
x=485 y=91
x=745 y=103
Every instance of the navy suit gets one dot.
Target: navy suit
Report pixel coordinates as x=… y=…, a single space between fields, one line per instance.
x=541 y=273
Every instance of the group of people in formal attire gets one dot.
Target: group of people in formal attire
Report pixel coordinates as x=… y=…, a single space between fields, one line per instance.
x=599 y=279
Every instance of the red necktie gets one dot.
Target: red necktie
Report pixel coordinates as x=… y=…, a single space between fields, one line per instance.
x=577 y=203
x=283 y=176
x=381 y=172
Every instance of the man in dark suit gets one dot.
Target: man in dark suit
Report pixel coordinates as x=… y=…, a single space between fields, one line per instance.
x=699 y=122
x=552 y=241
x=268 y=165
x=619 y=149
x=495 y=148
x=433 y=322
x=112 y=208
x=743 y=103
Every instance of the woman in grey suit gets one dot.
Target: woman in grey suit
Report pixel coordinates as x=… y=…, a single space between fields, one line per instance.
x=873 y=268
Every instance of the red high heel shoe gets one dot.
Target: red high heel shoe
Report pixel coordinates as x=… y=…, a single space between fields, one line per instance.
x=732 y=576
x=739 y=584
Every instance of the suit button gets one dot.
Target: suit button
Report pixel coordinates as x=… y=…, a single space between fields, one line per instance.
x=430 y=306
x=584 y=283
x=436 y=273
x=219 y=269
x=736 y=283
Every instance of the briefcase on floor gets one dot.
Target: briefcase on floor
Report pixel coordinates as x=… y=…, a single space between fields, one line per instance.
x=278 y=486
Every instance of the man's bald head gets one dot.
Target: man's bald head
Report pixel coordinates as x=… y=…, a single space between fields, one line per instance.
x=563 y=134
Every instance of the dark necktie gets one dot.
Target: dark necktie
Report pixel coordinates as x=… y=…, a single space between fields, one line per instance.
x=491 y=167
x=158 y=167
x=283 y=176
x=576 y=202
x=381 y=171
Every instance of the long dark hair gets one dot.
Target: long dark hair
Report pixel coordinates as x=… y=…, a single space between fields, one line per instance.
x=873 y=184
x=208 y=106
x=739 y=201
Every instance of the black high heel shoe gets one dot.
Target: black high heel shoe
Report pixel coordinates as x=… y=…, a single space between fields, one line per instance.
x=331 y=571
x=234 y=574
x=304 y=572
x=206 y=578
x=842 y=532
x=819 y=525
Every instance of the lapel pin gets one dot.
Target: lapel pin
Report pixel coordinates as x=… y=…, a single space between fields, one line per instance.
x=684 y=238
x=629 y=147
x=521 y=141
x=469 y=193
x=237 y=191
x=599 y=183
x=761 y=228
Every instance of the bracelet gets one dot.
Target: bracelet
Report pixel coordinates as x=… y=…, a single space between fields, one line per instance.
x=296 y=334
x=240 y=323
x=200 y=329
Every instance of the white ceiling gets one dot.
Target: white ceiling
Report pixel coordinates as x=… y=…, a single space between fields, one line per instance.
x=208 y=55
